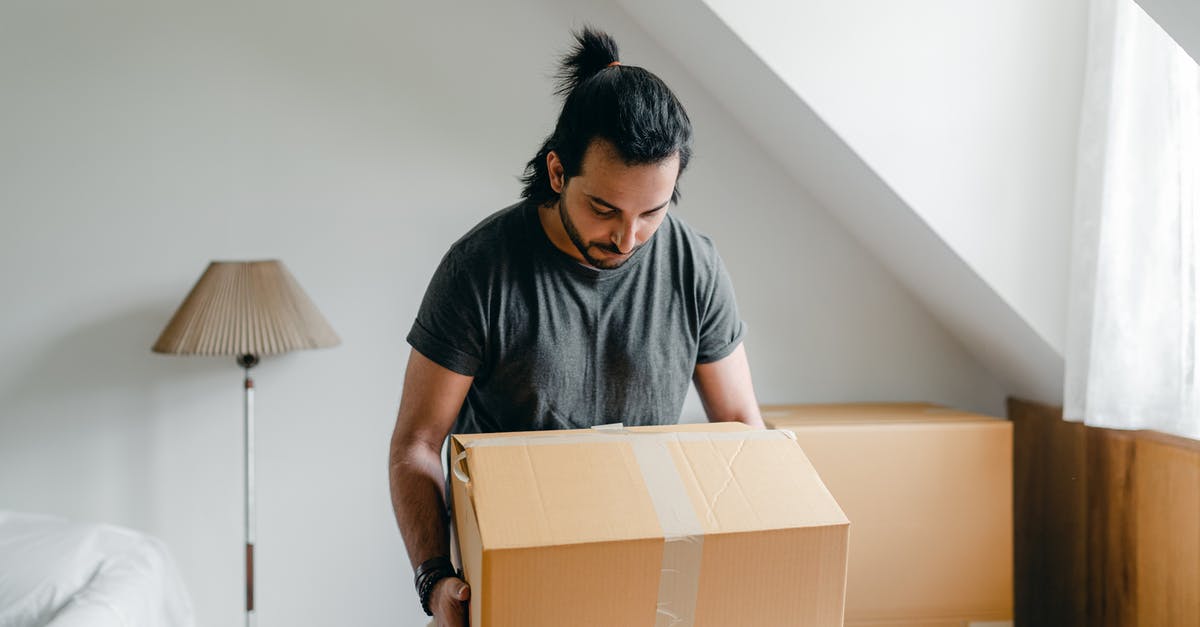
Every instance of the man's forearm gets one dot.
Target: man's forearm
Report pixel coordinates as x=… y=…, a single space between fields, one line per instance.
x=415 y=472
x=727 y=391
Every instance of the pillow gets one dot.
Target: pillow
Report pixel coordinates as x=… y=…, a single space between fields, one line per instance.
x=65 y=574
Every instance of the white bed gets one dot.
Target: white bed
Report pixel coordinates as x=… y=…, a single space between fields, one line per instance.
x=58 y=573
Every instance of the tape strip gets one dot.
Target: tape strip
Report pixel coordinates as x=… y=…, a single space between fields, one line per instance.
x=683 y=535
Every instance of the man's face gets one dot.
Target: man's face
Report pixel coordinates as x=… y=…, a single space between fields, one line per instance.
x=611 y=209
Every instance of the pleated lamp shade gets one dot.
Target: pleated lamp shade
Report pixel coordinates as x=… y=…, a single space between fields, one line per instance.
x=245 y=308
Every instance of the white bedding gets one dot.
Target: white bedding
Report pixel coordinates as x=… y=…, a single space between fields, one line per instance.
x=57 y=573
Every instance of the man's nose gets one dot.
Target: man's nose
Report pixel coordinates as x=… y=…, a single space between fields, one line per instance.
x=625 y=238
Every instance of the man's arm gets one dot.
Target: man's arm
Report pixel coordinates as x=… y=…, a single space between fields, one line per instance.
x=726 y=390
x=429 y=405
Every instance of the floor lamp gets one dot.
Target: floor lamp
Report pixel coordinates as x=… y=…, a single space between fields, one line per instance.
x=247 y=309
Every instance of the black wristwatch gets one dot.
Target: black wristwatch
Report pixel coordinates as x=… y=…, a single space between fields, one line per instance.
x=428 y=574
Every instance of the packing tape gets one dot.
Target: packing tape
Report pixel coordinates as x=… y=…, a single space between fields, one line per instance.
x=683 y=535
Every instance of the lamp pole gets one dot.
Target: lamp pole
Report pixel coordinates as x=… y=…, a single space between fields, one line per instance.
x=247 y=362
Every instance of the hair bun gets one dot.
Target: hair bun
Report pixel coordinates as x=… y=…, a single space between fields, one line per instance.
x=594 y=50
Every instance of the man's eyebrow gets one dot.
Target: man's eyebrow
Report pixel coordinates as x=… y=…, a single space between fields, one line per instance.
x=600 y=201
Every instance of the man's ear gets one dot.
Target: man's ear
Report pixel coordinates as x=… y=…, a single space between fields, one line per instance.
x=554 y=168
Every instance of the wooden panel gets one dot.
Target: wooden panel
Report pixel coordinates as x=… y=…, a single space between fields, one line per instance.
x=1168 y=531
x=1111 y=528
x=1107 y=529
x=1049 y=510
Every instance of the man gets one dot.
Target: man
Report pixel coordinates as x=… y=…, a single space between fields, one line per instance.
x=586 y=303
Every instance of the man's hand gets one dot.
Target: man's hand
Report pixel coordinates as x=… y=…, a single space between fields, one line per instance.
x=448 y=602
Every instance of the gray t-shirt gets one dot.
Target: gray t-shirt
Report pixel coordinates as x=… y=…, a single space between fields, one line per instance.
x=554 y=344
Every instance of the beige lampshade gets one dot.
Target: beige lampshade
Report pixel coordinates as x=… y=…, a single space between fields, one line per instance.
x=245 y=308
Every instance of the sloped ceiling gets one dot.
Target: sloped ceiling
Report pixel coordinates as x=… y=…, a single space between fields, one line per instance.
x=821 y=161
x=1181 y=20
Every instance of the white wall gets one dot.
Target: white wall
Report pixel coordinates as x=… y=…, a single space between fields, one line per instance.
x=968 y=111
x=355 y=142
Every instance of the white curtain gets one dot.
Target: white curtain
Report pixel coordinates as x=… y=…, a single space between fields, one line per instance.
x=1134 y=303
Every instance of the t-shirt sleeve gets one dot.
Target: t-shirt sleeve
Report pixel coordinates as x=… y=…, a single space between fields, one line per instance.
x=449 y=328
x=721 y=328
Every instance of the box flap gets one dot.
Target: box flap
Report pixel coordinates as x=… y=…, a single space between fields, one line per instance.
x=752 y=485
x=572 y=487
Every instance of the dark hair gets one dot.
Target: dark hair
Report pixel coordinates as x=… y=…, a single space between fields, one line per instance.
x=628 y=106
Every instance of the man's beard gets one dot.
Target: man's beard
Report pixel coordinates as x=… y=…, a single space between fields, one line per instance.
x=583 y=247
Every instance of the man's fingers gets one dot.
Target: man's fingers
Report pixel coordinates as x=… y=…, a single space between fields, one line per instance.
x=453 y=616
x=449 y=596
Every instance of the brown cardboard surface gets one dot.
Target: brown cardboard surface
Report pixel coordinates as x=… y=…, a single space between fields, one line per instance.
x=931 y=502
x=467 y=538
x=776 y=416
x=568 y=533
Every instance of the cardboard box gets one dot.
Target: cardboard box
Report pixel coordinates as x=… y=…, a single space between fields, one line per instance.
x=705 y=525
x=929 y=490
x=844 y=413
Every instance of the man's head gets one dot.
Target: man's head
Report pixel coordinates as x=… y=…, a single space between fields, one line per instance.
x=620 y=144
x=610 y=208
